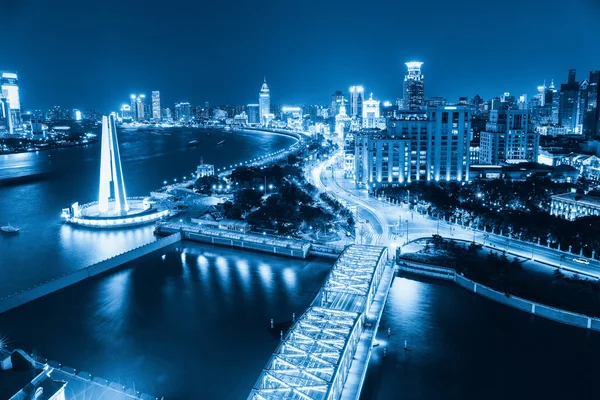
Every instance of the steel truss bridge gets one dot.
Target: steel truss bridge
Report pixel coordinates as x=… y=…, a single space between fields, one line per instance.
x=313 y=360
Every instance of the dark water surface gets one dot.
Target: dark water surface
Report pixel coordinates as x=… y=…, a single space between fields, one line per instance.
x=462 y=346
x=46 y=247
x=192 y=324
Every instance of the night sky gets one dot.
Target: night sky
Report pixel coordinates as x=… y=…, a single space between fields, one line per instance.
x=78 y=54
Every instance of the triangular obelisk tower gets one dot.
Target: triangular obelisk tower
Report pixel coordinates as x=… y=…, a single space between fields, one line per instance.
x=111 y=171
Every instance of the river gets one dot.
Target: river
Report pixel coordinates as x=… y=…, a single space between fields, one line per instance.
x=462 y=346
x=46 y=247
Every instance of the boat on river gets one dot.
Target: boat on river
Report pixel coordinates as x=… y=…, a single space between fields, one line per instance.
x=9 y=229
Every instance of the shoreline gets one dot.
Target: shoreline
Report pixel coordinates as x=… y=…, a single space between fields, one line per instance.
x=542 y=310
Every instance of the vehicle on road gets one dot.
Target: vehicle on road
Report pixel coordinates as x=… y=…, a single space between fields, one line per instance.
x=581 y=261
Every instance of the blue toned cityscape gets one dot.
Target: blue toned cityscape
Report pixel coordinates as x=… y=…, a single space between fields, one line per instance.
x=312 y=201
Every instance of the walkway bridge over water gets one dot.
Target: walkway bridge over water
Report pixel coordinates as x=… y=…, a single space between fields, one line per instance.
x=325 y=353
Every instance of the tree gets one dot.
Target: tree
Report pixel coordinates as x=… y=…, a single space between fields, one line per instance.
x=292 y=159
x=205 y=184
x=246 y=199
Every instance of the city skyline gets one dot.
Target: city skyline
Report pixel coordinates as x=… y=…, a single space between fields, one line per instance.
x=224 y=68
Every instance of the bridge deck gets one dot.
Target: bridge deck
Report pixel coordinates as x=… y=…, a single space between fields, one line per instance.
x=316 y=356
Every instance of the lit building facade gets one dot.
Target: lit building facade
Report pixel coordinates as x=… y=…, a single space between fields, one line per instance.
x=569 y=104
x=183 y=112
x=414 y=87
x=357 y=97
x=509 y=138
x=591 y=119
x=140 y=112
x=573 y=205
x=9 y=89
x=370 y=113
x=264 y=102
x=253 y=114
x=432 y=145
x=133 y=107
x=156 y=106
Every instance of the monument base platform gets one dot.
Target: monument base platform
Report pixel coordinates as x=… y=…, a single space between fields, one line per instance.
x=140 y=212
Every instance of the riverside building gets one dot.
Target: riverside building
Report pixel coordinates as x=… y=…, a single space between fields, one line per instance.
x=509 y=138
x=427 y=145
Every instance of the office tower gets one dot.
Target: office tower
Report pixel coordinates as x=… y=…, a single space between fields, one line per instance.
x=183 y=112
x=357 y=97
x=133 y=107
x=553 y=97
x=156 y=105
x=414 y=88
x=125 y=111
x=10 y=90
x=591 y=119
x=5 y=116
x=429 y=145
x=254 y=114
x=141 y=108
x=336 y=99
x=111 y=170
x=569 y=102
x=509 y=138
x=264 y=101
x=370 y=113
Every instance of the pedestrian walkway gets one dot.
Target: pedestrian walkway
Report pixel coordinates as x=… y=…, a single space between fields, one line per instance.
x=358 y=368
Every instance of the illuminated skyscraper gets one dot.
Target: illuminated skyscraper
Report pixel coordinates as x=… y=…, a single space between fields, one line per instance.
x=591 y=121
x=110 y=170
x=156 y=105
x=253 y=114
x=370 y=113
x=183 y=112
x=568 y=110
x=10 y=90
x=133 y=107
x=264 y=102
x=357 y=97
x=5 y=117
x=414 y=86
x=140 y=108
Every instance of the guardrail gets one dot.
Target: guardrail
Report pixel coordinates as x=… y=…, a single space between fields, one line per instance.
x=542 y=310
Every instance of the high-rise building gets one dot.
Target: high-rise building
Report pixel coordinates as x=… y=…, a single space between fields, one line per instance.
x=431 y=145
x=133 y=106
x=183 y=112
x=370 y=113
x=156 y=105
x=336 y=100
x=264 y=101
x=509 y=137
x=569 y=104
x=591 y=119
x=254 y=114
x=10 y=90
x=140 y=108
x=414 y=87
x=357 y=97
x=5 y=116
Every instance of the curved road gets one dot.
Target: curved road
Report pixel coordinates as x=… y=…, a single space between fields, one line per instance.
x=407 y=225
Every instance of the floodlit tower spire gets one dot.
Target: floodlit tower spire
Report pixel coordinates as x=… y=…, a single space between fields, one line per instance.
x=110 y=169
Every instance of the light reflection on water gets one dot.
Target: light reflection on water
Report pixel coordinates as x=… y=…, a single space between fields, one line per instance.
x=462 y=346
x=148 y=160
x=157 y=324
